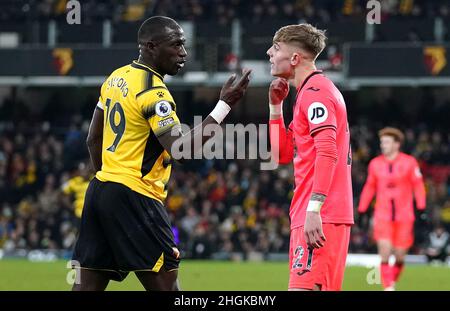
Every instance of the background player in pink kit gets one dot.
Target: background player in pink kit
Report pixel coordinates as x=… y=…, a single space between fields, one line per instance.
x=394 y=176
x=318 y=141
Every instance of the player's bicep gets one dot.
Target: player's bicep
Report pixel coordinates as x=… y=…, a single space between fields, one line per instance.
x=416 y=174
x=159 y=109
x=102 y=98
x=168 y=138
x=96 y=127
x=164 y=123
x=371 y=176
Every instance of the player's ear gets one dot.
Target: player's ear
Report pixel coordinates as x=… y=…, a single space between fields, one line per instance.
x=295 y=59
x=147 y=45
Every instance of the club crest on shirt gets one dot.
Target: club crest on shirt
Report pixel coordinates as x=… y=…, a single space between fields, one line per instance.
x=317 y=113
x=163 y=108
x=417 y=172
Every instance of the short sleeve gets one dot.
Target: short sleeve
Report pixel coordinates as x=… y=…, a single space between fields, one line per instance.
x=159 y=109
x=320 y=111
x=101 y=100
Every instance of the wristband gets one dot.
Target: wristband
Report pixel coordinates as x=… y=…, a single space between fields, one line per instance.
x=276 y=109
x=220 y=111
x=314 y=206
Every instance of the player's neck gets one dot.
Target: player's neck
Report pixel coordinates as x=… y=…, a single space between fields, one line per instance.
x=392 y=156
x=302 y=73
x=146 y=63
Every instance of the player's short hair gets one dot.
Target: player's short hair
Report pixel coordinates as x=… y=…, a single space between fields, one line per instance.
x=393 y=132
x=305 y=36
x=154 y=27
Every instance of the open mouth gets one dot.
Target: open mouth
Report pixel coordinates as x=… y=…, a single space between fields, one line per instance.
x=180 y=64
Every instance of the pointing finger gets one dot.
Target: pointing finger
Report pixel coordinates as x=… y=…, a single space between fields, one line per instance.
x=245 y=77
x=230 y=80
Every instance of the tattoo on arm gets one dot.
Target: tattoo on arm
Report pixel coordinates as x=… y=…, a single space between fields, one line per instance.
x=318 y=197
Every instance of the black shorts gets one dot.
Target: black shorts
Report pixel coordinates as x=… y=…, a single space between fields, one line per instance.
x=123 y=231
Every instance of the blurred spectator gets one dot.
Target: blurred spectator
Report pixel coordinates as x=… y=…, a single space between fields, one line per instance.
x=335 y=58
x=76 y=187
x=439 y=244
x=221 y=10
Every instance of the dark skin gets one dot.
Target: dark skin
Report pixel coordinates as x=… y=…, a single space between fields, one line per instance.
x=95 y=138
x=166 y=54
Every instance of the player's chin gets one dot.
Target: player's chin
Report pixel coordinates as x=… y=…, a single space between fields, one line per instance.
x=175 y=70
x=276 y=74
x=172 y=72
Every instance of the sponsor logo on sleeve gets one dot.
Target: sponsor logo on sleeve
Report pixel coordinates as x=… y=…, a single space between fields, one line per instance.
x=317 y=113
x=163 y=108
x=166 y=122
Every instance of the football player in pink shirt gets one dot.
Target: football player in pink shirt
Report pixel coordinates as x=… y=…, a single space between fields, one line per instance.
x=318 y=142
x=394 y=176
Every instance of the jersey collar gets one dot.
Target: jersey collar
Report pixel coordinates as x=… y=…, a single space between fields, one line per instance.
x=135 y=64
x=315 y=72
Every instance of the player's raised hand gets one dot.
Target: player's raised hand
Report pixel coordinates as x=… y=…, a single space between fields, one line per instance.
x=278 y=90
x=231 y=92
x=313 y=231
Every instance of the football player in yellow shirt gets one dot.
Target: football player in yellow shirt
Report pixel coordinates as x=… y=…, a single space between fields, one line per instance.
x=125 y=226
x=76 y=187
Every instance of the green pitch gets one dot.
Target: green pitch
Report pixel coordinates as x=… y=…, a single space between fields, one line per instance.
x=213 y=275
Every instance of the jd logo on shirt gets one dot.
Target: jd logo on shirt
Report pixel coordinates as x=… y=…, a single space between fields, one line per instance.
x=317 y=113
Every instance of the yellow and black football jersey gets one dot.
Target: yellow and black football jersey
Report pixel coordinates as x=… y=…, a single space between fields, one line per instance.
x=137 y=109
x=77 y=186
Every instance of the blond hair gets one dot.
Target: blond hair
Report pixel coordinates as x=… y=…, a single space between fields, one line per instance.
x=305 y=36
x=392 y=132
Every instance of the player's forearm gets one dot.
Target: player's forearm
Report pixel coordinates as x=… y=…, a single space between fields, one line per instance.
x=324 y=168
x=420 y=195
x=315 y=202
x=95 y=152
x=366 y=197
x=95 y=139
x=369 y=189
x=326 y=159
x=368 y=192
x=196 y=135
x=275 y=115
x=318 y=197
x=183 y=146
x=281 y=142
x=275 y=111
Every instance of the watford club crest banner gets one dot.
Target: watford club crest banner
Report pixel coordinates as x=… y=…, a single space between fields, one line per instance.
x=435 y=59
x=62 y=60
x=397 y=60
x=360 y=60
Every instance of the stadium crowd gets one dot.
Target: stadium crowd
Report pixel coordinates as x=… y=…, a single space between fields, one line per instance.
x=216 y=206
x=221 y=10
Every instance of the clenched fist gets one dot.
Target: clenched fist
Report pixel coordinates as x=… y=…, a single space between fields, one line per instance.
x=278 y=90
